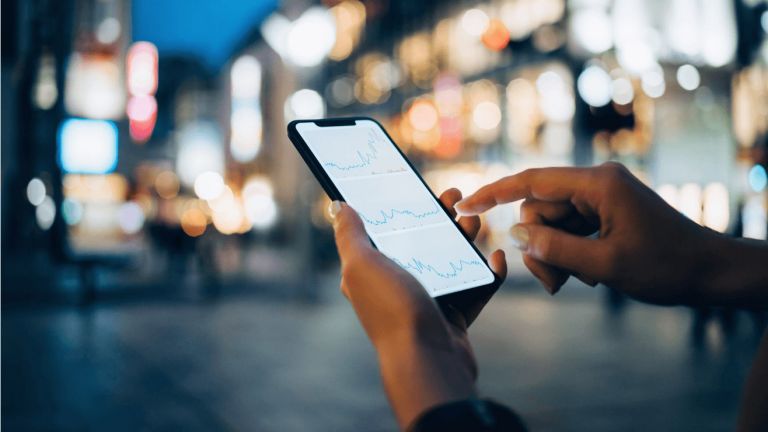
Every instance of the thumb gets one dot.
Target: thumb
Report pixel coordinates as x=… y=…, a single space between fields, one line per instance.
x=570 y=252
x=349 y=231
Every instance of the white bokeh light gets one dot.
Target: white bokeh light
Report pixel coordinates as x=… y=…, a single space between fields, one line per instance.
x=688 y=77
x=719 y=40
x=246 y=77
x=259 y=204
x=108 y=31
x=716 y=212
x=209 y=185
x=653 y=84
x=311 y=37
x=45 y=213
x=200 y=150
x=304 y=104
x=556 y=99
x=130 y=217
x=690 y=197
x=486 y=115
x=594 y=85
x=36 y=191
x=592 y=30
x=622 y=91
x=475 y=22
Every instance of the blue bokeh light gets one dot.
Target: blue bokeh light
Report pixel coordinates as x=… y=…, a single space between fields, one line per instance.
x=758 y=178
x=88 y=146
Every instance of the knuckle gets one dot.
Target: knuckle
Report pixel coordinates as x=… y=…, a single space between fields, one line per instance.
x=528 y=173
x=612 y=175
x=613 y=170
x=613 y=165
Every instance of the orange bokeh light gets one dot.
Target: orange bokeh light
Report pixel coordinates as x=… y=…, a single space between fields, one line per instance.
x=193 y=222
x=496 y=36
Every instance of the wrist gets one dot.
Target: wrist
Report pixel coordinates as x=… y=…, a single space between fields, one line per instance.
x=732 y=272
x=418 y=375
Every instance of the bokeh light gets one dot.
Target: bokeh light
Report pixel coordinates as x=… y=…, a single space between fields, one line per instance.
x=71 y=211
x=108 y=30
x=690 y=201
x=259 y=204
x=130 y=217
x=200 y=150
x=167 y=184
x=486 y=115
x=716 y=211
x=475 y=22
x=423 y=115
x=88 y=146
x=652 y=83
x=209 y=185
x=245 y=77
x=591 y=28
x=36 y=191
x=193 y=222
x=142 y=66
x=496 y=36
x=45 y=213
x=622 y=91
x=757 y=178
x=688 y=77
x=305 y=104
x=311 y=37
x=594 y=85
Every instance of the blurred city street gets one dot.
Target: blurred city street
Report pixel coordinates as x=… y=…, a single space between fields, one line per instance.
x=578 y=361
x=168 y=259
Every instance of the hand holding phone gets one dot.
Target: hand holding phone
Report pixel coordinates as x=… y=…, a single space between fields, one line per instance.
x=357 y=162
x=425 y=356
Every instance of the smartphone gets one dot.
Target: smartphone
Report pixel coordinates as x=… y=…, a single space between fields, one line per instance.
x=356 y=161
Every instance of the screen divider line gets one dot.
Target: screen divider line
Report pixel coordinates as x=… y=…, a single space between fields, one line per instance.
x=406 y=230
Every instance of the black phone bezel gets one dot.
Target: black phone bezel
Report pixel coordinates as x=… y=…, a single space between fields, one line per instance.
x=464 y=296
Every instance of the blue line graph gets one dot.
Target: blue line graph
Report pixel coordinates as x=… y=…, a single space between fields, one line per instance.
x=420 y=267
x=366 y=157
x=392 y=214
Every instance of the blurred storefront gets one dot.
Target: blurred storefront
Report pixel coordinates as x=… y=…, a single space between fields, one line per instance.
x=126 y=150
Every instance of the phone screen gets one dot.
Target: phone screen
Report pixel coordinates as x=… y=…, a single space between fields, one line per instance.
x=401 y=216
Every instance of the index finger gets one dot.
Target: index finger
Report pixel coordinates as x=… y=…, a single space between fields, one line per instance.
x=545 y=184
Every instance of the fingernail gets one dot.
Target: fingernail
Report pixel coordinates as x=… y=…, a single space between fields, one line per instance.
x=520 y=237
x=458 y=208
x=334 y=208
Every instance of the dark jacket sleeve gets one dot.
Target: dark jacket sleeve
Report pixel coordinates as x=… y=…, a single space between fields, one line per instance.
x=474 y=415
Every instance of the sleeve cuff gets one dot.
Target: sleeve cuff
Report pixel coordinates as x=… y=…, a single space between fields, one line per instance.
x=479 y=415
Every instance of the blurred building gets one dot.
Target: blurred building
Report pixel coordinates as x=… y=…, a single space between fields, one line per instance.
x=132 y=143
